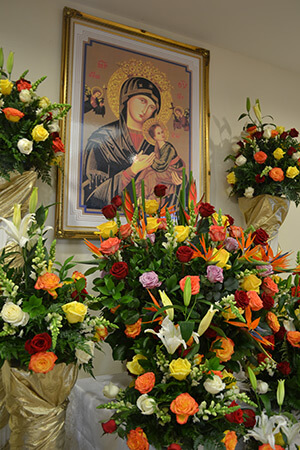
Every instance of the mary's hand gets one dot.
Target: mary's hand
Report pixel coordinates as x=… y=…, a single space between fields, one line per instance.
x=141 y=162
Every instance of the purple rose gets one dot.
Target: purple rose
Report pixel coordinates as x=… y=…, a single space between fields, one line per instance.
x=151 y=237
x=149 y=280
x=231 y=244
x=214 y=274
x=265 y=270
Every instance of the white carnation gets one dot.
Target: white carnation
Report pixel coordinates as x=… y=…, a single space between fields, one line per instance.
x=25 y=146
x=249 y=191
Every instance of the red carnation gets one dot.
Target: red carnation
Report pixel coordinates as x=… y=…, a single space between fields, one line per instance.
x=293 y=132
x=236 y=416
x=109 y=211
x=260 y=237
x=174 y=447
x=23 y=84
x=242 y=299
x=206 y=209
x=116 y=201
x=284 y=367
x=267 y=300
x=110 y=426
x=249 y=418
x=184 y=254
x=39 y=343
x=119 y=270
x=57 y=145
x=160 y=190
x=259 y=179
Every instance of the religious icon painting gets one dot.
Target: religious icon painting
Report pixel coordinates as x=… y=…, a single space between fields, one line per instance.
x=139 y=112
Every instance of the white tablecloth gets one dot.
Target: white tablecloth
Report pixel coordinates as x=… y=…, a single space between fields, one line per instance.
x=84 y=432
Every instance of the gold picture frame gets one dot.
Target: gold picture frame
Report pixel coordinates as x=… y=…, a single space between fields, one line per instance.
x=106 y=68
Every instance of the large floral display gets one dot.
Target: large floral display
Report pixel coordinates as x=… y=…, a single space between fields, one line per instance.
x=208 y=325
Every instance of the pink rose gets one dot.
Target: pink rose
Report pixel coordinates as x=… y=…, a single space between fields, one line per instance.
x=217 y=233
x=110 y=246
x=231 y=244
x=149 y=280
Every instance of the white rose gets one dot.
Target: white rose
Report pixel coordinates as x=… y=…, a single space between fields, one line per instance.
x=146 y=404
x=110 y=390
x=240 y=160
x=267 y=133
x=214 y=385
x=296 y=156
x=249 y=192
x=236 y=148
x=25 y=146
x=262 y=387
x=14 y=315
x=25 y=96
x=82 y=356
x=54 y=127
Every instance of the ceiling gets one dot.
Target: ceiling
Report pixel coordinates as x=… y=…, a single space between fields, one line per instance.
x=268 y=30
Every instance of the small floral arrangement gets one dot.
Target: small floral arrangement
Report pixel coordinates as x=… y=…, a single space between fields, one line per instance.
x=29 y=126
x=44 y=316
x=266 y=159
x=209 y=330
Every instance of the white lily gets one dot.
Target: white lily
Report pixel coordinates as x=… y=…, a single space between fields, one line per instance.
x=17 y=230
x=266 y=428
x=292 y=433
x=169 y=335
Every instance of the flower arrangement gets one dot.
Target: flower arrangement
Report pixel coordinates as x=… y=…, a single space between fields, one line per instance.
x=44 y=317
x=209 y=330
x=29 y=125
x=266 y=159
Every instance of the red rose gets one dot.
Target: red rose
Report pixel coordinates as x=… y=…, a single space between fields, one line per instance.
x=160 y=190
x=260 y=237
x=281 y=333
x=267 y=300
x=119 y=270
x=249 y=418
x=174 y=447
x=242 y=299
x=23 y=84
x=110 y=426
x=230 y=219
x=257 y=135
x=109 y=211
x=293 y=132
x=79 y=296
x=284 y=367
x=116 y=201
x=206 y=209
x=291 y=151
x=283 y=135
x=236 y=416
x=260 y=179
x=210 y=333
x=39 y=343
x=184 y=253
x=261 y=357
x=57 y=145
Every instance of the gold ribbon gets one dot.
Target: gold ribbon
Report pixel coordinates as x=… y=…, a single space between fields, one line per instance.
x=17 y=190
x=265 y=211
x=37 y=405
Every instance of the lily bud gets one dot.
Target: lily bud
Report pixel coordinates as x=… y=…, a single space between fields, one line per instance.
x=10 y=62
x=252 y=378
x=17 y=215
x=33 y=200
x=167 y=302
x=257 y=111
x=248 y=104
x=280 y=392
x=187 y=293
x=206 y=321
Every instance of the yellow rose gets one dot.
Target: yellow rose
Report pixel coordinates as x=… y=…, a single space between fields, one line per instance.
x=151 y=206
x=224 y=219
x=280 y=130
x=44 y=102
x=107 y=229
x=292 y=172
x=181 y=233
x=74 y=311
x=134 y=366
x=152 y=224
x=231 y=178
x=228 y=314
x=278 y=153
x=39 y=133
x=222 y=257
x=5 y=86
x=180 y=368
x=251 y=283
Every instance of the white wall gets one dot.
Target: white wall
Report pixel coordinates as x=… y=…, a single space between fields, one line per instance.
x=33 y=30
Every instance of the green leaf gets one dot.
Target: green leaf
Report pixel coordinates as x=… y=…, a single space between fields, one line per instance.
x=80 y=284
x=267 y=404
x=120 y=352
x=186 y=329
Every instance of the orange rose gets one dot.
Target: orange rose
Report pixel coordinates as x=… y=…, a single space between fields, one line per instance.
x=145 y=383
x=269 y=286
x=42 y=362
x=101 y=333
x=132 y=331
x=230 y=440
x=12 y=114
x=48 y=282
x=184 y=406
x=255 y=302
x=195 y=283
x=294 y=338
x=272 y=321
x=77 y=275
x=227 y=348
x=276 y=174
x=110 y=246
x=137 y=440
x=260 y=157
x=125 y=230
x=268 y=447
x=235 y=232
